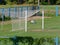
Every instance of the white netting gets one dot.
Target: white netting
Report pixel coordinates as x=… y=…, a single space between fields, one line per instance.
x=18 y=19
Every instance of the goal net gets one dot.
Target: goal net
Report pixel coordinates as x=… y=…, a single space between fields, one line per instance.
x=18 y=19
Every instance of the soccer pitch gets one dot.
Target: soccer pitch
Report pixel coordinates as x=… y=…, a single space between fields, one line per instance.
x=51 y=26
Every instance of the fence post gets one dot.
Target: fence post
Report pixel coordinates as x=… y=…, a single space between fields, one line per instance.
x=9 y=11
x=15 y=11
x=21 y=11
x=3 y=14
x=26 y=14
x=56 y=10
x=56 y=40
x=42 y=19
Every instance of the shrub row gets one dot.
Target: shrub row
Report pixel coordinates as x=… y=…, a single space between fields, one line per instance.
x=5 y=18
x=30 y=40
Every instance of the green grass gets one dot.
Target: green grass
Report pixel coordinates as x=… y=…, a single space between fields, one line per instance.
x=53 y=23
x=50 y=24
x=36 y=26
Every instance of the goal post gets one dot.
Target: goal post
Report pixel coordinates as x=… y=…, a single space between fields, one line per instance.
x=26 y=13
x=19 y=19
x=42 y=19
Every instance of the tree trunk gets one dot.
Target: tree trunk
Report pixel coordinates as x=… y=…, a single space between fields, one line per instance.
x=34 y=1
x=48 y=1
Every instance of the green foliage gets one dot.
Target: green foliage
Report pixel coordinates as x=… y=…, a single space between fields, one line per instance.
x=58 y=2
x=5 y=18
x=8 y=2
x=0 y=19
x=3 y=2
x=44 y=3
x=29 y=40
x=30 y=1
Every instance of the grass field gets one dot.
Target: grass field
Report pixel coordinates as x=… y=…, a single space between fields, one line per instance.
x=52 y=26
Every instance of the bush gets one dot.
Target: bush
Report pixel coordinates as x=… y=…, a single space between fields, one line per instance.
x=30 y=40
x=44 y=3
x=5 y=18
x=1 y=18
x=58 y=2
x=3 y=2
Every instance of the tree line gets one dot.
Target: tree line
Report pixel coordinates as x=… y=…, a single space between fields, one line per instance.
x=42 y=2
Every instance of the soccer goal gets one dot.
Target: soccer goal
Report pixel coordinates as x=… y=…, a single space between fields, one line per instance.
x=19 y=19
x=13 y=19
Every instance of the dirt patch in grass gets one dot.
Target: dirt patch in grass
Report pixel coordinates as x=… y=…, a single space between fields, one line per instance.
x=29 y=19
x=44 y=31
x=11 y=21
x=36 y=17
x=5 y=22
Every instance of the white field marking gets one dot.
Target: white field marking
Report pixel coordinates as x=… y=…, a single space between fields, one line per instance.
x=42 y=19
x=26 y=13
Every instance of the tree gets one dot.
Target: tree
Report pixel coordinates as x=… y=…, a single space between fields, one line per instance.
x=48 y=1
x=58 y=2
x=20 y=1
x=34 y=1
x=3 y=2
